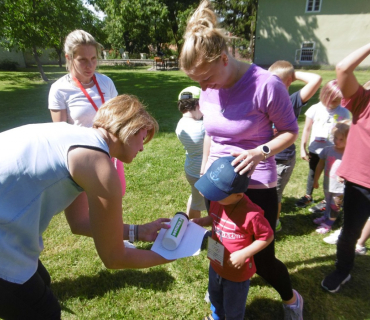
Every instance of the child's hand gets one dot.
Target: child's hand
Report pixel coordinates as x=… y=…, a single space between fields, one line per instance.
x=316 y=184
x=340 y=180
x=237 y=259
x=304 y=155
x=196 y=220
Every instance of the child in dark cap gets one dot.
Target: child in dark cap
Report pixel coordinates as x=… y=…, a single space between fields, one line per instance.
x=239 y=231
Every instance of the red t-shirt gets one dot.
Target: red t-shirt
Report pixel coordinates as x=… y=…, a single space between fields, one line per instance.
x=355 y=163
x=239 y=225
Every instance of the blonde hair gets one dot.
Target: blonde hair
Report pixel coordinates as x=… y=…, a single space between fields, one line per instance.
x=283 y=69
x=74 y=40
x=341 y=127
x=124 y=116
x=330 y=92
x=204 y=41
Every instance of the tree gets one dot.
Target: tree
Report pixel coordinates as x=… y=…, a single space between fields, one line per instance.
x=36 y=24
x=25 y=24
x=68 y=16
x=135 y=24
x=178 y=13
x=238 y=17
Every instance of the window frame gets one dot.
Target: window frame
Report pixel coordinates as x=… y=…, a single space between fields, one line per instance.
x=304 y=47
x=314 y=2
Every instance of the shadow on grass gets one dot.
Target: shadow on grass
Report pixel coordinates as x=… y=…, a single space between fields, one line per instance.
x=349 y=303
x=298 y=221
x=262 y=308
x=89 y=287
x=27 y=98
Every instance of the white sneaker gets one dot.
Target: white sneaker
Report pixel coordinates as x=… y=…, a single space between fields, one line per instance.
x=360 y=250
x=333 y=238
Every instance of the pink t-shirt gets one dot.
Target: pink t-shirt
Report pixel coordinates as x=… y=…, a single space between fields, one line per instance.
x=238 y=226
x=241 y=117
x=355 y=162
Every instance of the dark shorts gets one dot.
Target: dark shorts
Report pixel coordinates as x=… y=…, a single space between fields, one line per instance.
x=32 y=300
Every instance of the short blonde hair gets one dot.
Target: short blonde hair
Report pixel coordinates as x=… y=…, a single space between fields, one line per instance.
x=283 y=69
x=204 y=41
x=342 y=127
x=79 y=38
x=330 y=92
x=124 y=116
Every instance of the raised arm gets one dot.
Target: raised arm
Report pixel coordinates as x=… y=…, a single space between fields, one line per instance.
x=346 y=79
x=312 y=84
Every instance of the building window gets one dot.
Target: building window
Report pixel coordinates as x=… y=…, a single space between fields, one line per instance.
x=313 y=6
x=306 y=53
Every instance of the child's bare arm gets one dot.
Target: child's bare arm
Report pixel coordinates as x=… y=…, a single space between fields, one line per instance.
x=206 y=149
x=319 y=169
x=237 y=258
x=313 y=82
x=305 y=137
x=203 y=222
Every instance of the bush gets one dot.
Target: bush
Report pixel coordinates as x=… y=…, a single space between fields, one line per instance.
x=8 y=65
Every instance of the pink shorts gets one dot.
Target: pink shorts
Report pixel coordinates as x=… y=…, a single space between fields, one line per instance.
x=121 y=173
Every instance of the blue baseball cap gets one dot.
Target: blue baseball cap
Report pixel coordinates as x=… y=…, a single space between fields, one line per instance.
x=221 y=180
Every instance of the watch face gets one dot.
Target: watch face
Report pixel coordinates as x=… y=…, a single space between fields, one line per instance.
x=266 y=149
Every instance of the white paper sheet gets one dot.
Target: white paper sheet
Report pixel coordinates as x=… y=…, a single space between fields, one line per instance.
x=189 y=245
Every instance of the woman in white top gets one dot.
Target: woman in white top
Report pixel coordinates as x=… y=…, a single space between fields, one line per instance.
x=76 y=97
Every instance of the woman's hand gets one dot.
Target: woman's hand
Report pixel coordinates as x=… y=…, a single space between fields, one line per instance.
x=315 y=184
x=247 y=161
x=148 y=232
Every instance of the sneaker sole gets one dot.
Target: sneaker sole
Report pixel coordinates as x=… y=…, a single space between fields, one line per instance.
x=337 y=288
x=329 y=241
x=316 y=210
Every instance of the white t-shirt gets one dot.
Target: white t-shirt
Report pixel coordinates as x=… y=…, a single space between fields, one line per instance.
x=191 y=134
x=333 y=160
x=323 y=123
x=65 y=95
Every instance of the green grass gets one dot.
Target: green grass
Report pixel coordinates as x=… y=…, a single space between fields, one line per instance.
x=156 y=187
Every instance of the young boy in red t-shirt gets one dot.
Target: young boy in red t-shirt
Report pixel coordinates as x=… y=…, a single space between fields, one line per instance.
x=239 y=231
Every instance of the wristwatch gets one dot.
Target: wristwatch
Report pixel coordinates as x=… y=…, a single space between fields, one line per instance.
x=265 y=149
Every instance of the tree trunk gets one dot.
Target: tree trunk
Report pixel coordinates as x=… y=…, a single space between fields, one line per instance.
x=60 y=59
x=39 y=65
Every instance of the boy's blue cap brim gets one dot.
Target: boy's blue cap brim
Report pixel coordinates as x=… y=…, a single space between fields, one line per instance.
x=209 y=190
x=221 y=180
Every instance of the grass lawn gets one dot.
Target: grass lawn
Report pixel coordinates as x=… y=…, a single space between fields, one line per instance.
x=157 y=187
